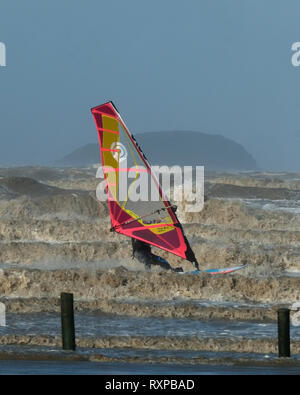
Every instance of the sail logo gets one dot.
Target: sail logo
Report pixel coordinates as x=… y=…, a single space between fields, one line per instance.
x=118 y=151
x=2 y=55
x=296 y=56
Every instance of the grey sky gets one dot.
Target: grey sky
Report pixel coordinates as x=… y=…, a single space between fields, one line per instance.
x=216 y=66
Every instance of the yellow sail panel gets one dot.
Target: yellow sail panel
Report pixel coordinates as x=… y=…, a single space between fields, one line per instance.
x=110 y=152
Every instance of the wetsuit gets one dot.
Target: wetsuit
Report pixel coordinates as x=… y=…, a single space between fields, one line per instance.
x=142 y=252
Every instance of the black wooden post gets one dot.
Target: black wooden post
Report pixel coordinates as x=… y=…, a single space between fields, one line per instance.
x=284 y=332
x=67 y=321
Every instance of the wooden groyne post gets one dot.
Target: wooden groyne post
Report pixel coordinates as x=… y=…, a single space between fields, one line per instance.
x=67 y=321
x=284 y=332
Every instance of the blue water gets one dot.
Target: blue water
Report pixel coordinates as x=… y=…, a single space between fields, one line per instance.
x=112 y=368
x=99 y=324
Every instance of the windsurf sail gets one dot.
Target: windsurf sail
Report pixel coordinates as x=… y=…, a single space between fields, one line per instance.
x=152 y=220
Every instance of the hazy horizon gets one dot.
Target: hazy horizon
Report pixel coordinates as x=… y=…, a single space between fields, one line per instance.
x=212 y=66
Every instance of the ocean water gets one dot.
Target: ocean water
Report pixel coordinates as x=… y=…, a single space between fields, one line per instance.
x=100 y=324
x=284 y=205
x=117 y=368
x=97 y=325
x=51 y=360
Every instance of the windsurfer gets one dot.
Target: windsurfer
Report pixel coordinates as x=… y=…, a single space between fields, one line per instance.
x=142 y=252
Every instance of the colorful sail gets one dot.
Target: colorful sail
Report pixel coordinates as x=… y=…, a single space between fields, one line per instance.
x=152 y=220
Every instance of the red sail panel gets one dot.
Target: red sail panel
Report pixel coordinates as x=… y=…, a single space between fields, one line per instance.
x=150 y=220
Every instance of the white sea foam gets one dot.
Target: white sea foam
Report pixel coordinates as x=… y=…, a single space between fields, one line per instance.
x=289 y=206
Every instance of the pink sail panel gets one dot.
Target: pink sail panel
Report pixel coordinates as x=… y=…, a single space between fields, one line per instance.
x=153 y=222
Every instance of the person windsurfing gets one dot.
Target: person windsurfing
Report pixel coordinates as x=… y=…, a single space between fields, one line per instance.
x=152 y=223
x=142 y=252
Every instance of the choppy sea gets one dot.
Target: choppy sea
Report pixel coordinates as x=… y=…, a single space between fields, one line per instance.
x=99 y=324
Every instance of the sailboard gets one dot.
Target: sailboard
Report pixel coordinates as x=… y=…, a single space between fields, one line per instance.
x=224 y=270
x=151 y=220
